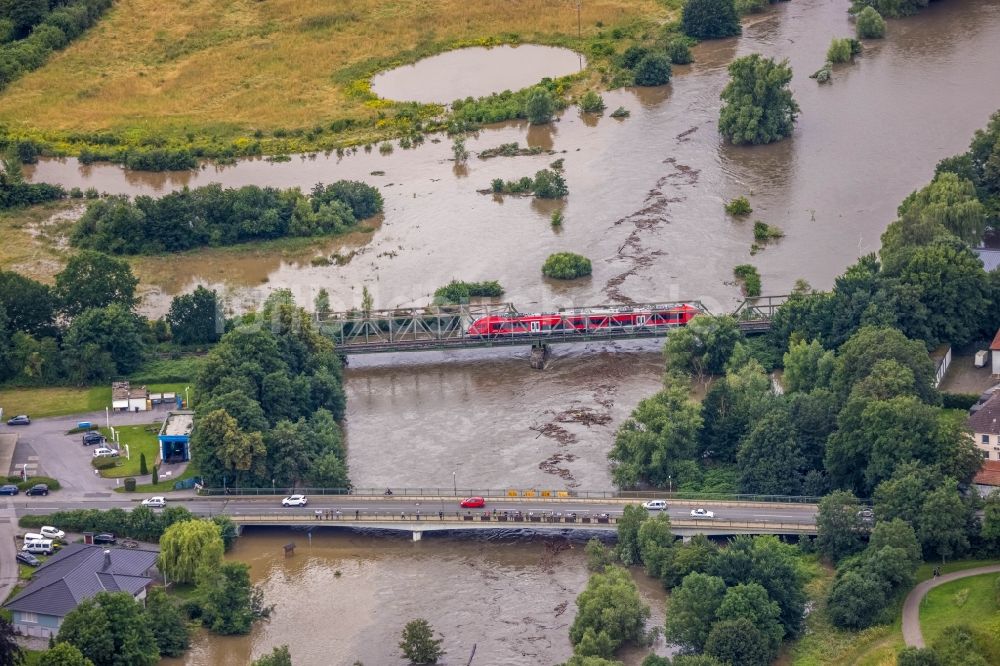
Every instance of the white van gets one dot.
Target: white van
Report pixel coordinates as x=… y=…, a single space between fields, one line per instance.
x=38 y=547
x=33 y=536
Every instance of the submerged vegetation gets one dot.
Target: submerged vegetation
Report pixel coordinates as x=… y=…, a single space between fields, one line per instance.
x=566 y=266
x=740 y=206
x=749 y=278
x=547 y=184
x=460 y=292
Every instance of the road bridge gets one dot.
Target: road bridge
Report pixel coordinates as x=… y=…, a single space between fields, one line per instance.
x=439 y=327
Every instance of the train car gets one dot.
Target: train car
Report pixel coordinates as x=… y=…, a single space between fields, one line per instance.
x=625 y=319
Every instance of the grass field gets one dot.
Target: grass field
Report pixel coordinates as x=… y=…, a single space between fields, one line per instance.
x=65 y=400
x=227 y=67
x=141 y=439
x=969 y=601
x=31 y=244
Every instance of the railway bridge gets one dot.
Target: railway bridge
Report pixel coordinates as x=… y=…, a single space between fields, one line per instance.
x=439 y=327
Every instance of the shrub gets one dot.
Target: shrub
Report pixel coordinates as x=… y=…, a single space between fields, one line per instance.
x=621 y=112
x=591 y=102
x=103 y=463
x=679 y=52
x=757 y=105
x=653 y=70
x=566 y=266
x=632 y=55
x=959 y=401
x=460 y=292
x=549 y=184
x=710 y=19
x=748 y=276
x=739 y=206
x=557 y=218
x=34 y=480
x=763 y=232
x=143 y=469
x=750 y=6
x=539 y=106
x=870 y=24
x=130 y=484
x=839 y=51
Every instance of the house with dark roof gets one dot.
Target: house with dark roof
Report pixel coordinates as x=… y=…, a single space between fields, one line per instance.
x=73 y=575
x=984 y=422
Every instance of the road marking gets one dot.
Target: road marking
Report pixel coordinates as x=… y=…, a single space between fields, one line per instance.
x=775 y=515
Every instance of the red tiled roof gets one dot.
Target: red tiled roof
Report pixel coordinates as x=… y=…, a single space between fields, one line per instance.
x=989 y=475
x=995 y=345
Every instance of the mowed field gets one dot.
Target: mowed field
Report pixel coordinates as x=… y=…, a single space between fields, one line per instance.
x=224 y=66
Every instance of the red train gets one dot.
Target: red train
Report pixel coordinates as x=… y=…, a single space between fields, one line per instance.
x=582 y=321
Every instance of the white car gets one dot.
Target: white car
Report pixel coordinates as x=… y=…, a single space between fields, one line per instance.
x=295 y=500
x=105 y=452
x=702 y=513
x=655 y=505
x=155 y=502
x=50 y=532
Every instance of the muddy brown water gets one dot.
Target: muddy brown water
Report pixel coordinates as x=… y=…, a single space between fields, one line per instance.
x=344 y=597
x=475 y=72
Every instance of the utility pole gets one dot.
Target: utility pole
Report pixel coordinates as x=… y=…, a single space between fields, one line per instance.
x=579 y=26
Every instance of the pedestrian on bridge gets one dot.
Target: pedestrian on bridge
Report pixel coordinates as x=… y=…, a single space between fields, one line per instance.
x=357 y=514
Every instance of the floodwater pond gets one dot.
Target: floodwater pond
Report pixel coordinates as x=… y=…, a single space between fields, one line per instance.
x=345 y=596
x=475 y=72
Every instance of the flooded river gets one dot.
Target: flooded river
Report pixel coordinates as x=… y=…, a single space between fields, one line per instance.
x=345 y=597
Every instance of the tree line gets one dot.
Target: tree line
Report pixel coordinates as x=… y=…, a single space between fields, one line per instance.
x=214 y=216
x=30 y=30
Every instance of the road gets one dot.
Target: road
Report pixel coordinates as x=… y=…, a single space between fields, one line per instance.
x=427 y=506
x=911 y=607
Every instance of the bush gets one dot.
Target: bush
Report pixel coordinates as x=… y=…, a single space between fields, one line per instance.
x=143 y=469
x=679 y=52
x=841 y=50
x=34 y=480
x=739 y=206
x=750 y=6
x=539 y=106
x=104 y=462
x=748 y=276
x=460 y=292
x=958 y=400
x=549 y=184
x=130 y=485
x=870 y=24
x=591 y=102
x=757 y=105
x=566 y=266
x=621 y=112
x=710 y=19
x=653 y=70
x=630 y=58
x=557 y=218
x=763 y=232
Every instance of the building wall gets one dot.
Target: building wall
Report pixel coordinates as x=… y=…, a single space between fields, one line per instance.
x=996 y=363
x=35 y=624
x=988 y=444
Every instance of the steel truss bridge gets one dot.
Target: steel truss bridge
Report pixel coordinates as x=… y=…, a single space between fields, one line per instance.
x=439 y=327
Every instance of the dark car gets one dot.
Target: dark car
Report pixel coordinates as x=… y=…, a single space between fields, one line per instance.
x=9 y=489
x=105 y=537
x=20 y=419
x=27 y=558
x=37 y=489
x=92 y=437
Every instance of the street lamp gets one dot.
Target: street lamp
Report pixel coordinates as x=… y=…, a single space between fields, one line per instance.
x=187 y=401
x=454 y=482
x=272 y=486
x=670 y=484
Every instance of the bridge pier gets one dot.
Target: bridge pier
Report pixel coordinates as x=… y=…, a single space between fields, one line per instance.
x=417 y=536
x=539 y=355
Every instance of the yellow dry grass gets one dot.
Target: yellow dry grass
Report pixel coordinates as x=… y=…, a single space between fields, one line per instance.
x=219 y=65
x=32 y=238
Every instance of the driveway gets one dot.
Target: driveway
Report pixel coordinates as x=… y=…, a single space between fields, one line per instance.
x=46 y=448
x=911 y=607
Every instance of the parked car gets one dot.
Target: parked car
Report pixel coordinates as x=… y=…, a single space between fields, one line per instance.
x=655 y=505
x=27 y=558
x=41 y=547
x=50 y=532
x=9 y=489
x=105 y=538
x=866 y=515
x=20 y=419
x=295 y=500
x=702 y=513
x=37 y=489
x=473 y=503
x=155 y=502
x=93 y=437
x=33 y=536
x=105 y=452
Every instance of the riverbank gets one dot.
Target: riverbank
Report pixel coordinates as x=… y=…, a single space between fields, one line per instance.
x=206 y=78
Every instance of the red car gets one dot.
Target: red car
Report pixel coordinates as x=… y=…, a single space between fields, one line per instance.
x=473 y=503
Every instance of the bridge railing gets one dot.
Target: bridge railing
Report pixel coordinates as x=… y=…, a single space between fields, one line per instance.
x=512 y=493
x=458 y=520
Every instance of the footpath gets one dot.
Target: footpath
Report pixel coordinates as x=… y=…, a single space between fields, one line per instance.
x=912 y=635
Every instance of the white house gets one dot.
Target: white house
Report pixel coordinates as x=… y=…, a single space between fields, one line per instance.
x=124 y=398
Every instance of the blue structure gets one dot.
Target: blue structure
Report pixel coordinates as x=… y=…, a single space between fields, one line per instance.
x=175 y=436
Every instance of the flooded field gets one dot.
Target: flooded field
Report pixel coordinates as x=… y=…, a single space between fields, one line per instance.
x=475 y=72
x=344 y=597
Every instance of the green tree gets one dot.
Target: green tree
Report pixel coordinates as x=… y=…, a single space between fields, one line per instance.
x=695 y=660
x=143 y=469
x=769 y=459
x=660 y=432
x=870 y=24
x=94 y=280
x=419 y=645
x=539 y=106
x=229 y=602
x=738 y=642
x=279 y=656
x=599 y=556
x=10 y=651
x=590 y=660
x=990 y=530
x=111 y=629
x=703 y=346
x=758 y=106
x=25 y=14
x=30 y=305
x=566 y=266
x=168 y=625
x=857 y=599
x=710 y=19
x=943 y=520
x=695 y=556
x=692 y=608
x=189 y=546
x=321 y=304
x=227 y=530
x=840 y=530
x=897 y=533
x=807 y=367
x=656 y=544
x=591 y=102
x=221 y=447
x=611 y=609
x=196 y=318
x=653 y=70
x=961 y=645
x=113 y=330
x=751 y=602
x=857 y=357
x=628 y=547
x=62 y=654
